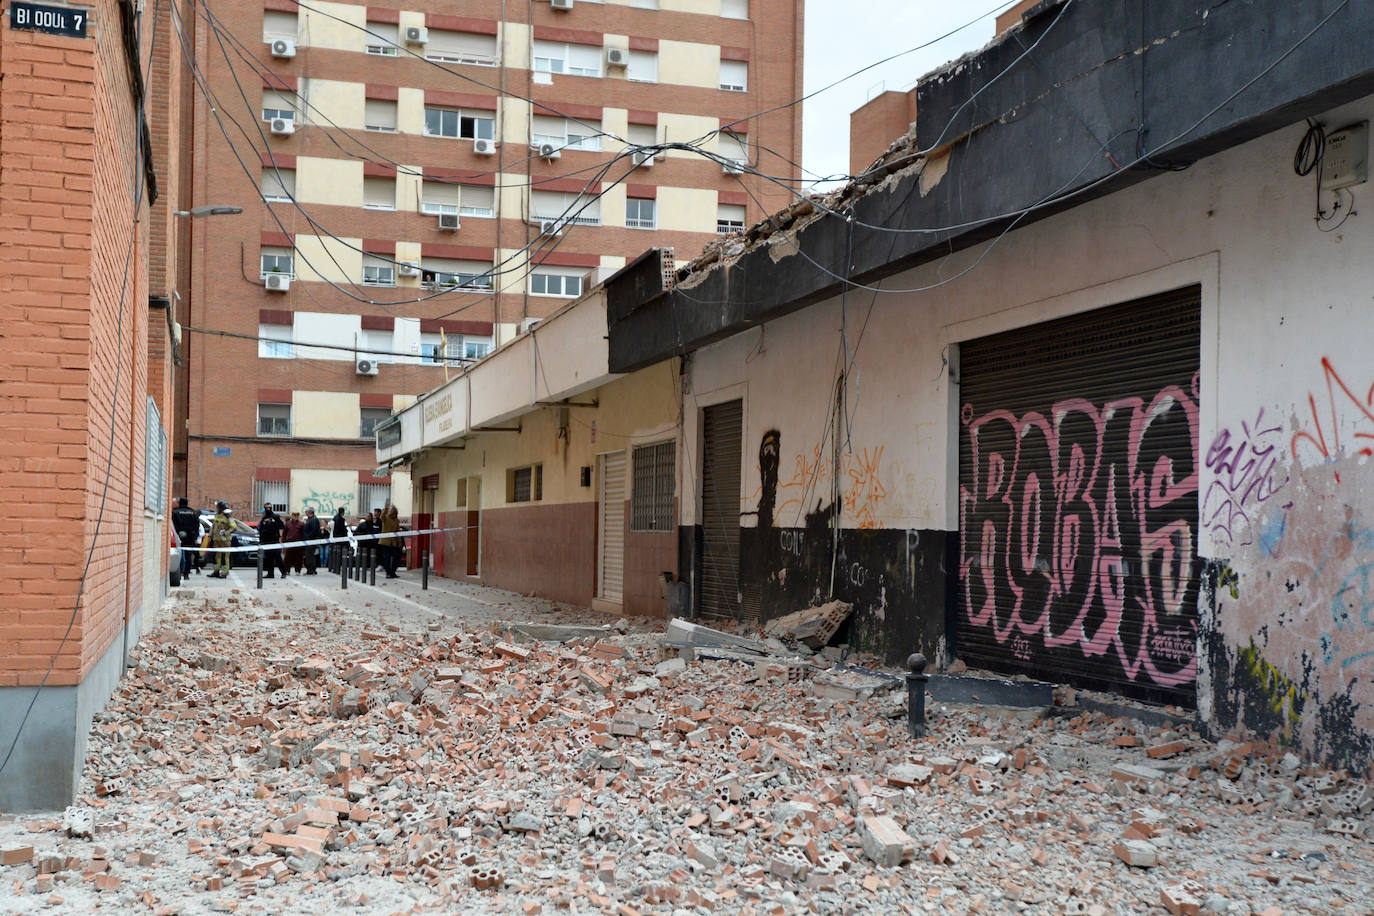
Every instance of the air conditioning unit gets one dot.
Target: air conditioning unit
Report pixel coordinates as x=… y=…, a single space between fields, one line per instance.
x=549 y=151
x=561 y=4
x=282 y=127
x=617 y=57
x=550 y=227
x=484 y=147
x=731 y=167
x=526 y=324
x=278 y=283
x=365 y=366
x=448 y=222
x=642 y=159
x=416 y=34
x=283 y=47
x=407 y=268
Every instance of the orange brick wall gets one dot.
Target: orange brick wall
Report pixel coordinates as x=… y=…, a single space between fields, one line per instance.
x=67 y=148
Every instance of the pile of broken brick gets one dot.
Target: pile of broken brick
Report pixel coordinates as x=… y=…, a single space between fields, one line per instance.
x=258 y=758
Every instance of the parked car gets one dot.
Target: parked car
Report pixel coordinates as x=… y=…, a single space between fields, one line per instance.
x=243 y=536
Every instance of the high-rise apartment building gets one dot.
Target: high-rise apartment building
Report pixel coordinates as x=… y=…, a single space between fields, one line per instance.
x=418 y=185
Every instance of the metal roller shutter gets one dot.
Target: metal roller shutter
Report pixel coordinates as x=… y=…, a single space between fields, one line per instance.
x=1078 y=499
x=722 y=430
x=612 y=585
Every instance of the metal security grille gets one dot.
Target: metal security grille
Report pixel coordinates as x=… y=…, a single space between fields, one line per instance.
x=1078 y=499
x=155 y=461
x=652 y=499
x=373 y=496
x=720 y=495
x=277 y=492
x=612 y=527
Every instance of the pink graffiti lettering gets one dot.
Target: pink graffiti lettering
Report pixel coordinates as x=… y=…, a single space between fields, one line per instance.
x=1079 y=531
x=1244 y=477
x=1362 y=416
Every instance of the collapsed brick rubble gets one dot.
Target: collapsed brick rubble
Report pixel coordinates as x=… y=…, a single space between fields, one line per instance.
x=270 y=755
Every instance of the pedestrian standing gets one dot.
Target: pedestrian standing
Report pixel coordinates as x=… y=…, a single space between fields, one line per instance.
x=186 y=523
x=312 y=532
x=294 y=532
x=270 y=530
x=391 y=546
x=339 y=533
x=221 y=535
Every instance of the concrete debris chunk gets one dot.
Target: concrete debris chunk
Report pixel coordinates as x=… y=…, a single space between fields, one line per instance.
x=685 y=633
x=885 y=842
x=813 y=627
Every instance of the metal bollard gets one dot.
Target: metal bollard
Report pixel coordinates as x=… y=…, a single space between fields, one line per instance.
x=231 y=563
x=424 y=570
x=916 y=695
x=343 y=566
x=372 y=567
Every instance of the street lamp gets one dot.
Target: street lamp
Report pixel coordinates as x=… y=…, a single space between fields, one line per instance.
x=208 y=210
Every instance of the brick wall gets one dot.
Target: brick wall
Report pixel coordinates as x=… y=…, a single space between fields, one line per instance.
x=67 y=149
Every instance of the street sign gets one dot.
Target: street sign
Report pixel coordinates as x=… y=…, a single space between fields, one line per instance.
x=219 y=451
x=56 y=20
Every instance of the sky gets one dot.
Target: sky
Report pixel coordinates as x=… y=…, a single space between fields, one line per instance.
x=845 y=35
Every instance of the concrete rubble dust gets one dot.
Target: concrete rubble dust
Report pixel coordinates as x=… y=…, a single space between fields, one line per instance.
x=272 y=752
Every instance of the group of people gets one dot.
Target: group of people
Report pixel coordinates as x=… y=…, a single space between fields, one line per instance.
x=384 y=522
x=275 y=532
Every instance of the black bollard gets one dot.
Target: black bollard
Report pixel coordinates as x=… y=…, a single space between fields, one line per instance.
x=916 y=695
x=343 y=566
x=372 y=567
x=231 y=565
x=424 y=570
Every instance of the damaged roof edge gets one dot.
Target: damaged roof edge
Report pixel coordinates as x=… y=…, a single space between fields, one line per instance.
x=1216 y=78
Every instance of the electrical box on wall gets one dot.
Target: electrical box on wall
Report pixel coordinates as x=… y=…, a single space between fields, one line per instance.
x=1346 y=161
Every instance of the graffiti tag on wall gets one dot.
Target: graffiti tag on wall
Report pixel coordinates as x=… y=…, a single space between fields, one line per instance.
x=1341 y=406
x=326 y=502
x=1245 y=476
x=1079 y=532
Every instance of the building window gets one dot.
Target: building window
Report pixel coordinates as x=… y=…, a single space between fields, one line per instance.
x=380 y=114
x=373 y=496
x=640 y=135
x=378 y=271
x=525 y=484
x=555 y=284
x=155 y=462
x=379 y=344
x=639 y=213
x=734 y=9
x=474 y=348
x=734 y=147
x=461 y=48
x=274 y=419
x=441 y=273
x=729 y=218
x=277 y=104
x=644 y=4
x=278 y=25
x=734 y=75
x=643 y=67
x=478 y=201
x=276 y=492
x=651 y=497
x=565 y=208
x=369 y=419
x=466 y=125
x=574 y=60
x=566 y=133
x=384 y=39
x=278 y=185
x=274 y=341
x=379 y=193
x=439 y=197
x=277 y=261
